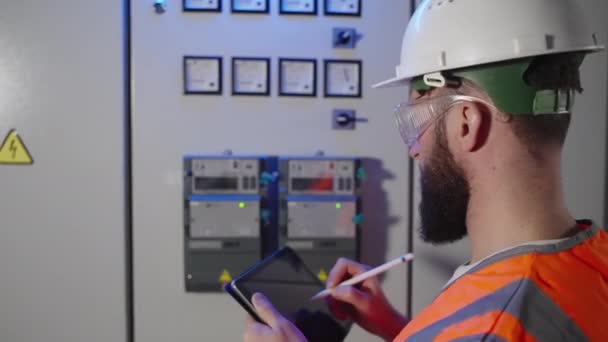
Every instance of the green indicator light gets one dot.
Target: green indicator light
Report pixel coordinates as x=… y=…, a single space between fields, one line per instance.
x=242 y=205
x=338 y=205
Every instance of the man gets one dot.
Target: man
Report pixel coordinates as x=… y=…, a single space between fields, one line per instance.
x=492 y=83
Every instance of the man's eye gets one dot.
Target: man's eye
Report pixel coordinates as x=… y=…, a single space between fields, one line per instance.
x=422 y=93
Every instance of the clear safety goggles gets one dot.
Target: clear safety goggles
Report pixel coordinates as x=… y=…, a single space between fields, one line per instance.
x=414 y=119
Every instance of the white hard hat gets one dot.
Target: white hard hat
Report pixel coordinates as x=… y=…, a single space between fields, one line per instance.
x=453 y=34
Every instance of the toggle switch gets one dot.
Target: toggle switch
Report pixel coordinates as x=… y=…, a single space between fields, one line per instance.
x=345 y=38
x=345 y=119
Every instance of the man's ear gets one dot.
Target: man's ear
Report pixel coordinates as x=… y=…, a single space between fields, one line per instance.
x=474 y=126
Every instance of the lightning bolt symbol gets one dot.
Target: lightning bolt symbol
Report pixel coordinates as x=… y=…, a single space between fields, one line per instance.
x=13 y=148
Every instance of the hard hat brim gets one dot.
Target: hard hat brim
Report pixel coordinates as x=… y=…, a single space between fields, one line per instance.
x=393 y=82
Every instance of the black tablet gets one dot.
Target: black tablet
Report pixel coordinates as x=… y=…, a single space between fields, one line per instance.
x=289 y=284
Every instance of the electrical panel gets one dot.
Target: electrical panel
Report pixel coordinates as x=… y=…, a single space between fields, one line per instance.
x=299 y=83
x=229 y=215
x=240 y=209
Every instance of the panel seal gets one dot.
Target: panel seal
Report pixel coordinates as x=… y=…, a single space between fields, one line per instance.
x=128 y=170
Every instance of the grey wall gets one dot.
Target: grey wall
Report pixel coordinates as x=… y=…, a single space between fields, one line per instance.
x=61 y=229
x=585 y=151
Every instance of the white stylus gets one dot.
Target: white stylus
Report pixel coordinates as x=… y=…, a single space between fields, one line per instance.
x=367 y=274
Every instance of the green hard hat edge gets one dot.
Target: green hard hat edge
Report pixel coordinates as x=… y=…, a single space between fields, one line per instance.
x=505 y=85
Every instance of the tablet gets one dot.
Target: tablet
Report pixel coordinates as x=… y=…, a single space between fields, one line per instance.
x=289 y=284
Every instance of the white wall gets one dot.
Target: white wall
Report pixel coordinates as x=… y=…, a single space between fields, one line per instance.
x=62 y=219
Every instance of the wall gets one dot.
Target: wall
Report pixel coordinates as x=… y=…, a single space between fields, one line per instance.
x=585 y=151
x=62 y=231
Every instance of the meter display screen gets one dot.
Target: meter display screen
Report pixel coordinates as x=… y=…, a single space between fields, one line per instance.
x=314 y=184
x=216 y=183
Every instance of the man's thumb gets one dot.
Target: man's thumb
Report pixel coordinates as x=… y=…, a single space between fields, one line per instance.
x=267 y=312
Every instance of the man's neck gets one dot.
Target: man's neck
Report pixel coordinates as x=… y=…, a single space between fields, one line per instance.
x=513 y=212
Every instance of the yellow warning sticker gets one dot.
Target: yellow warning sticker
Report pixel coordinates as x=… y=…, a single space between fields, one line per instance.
x=322 y=275
x=13 y=150
x=225 y=277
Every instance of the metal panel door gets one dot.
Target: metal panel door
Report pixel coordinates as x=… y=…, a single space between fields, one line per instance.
x=168 y=125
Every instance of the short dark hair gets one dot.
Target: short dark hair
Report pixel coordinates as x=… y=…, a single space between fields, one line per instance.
x=557 y=71
x=536 y=132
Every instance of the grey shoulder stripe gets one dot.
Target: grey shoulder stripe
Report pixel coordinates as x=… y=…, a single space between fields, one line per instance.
x=542 y=317
x=481 y=338
x=544 y=249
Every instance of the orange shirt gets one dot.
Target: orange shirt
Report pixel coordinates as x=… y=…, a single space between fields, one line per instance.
x=553 y=292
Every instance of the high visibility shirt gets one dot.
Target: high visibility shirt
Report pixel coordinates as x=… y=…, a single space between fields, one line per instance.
x=553 y=292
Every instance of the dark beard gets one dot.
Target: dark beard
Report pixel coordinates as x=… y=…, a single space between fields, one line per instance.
x=445 y=194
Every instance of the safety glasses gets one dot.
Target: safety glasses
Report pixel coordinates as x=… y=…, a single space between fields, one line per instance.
x=414 y=119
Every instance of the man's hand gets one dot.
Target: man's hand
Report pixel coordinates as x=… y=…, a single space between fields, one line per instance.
x=279 y=329
x=364 y=303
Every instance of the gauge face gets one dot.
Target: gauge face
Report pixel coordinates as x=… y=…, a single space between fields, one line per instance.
x=298 y=7
x=250 y=6
x=202 y=75
x=250 y=76
x=297 y=77
x=343 y=7
x=342 y=78
x=203 y=5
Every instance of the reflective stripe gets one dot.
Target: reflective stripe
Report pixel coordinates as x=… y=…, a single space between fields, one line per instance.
x=538 y=314
x=480 y=337
x=541 y=316
x=569 y=243
x=467 y=291
x=494 y=301
x=497 y=322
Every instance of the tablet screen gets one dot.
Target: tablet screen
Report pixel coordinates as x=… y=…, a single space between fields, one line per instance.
x=289 y=285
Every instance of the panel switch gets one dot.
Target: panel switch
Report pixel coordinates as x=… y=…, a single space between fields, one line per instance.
x=344 y=119
x=345 y=38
